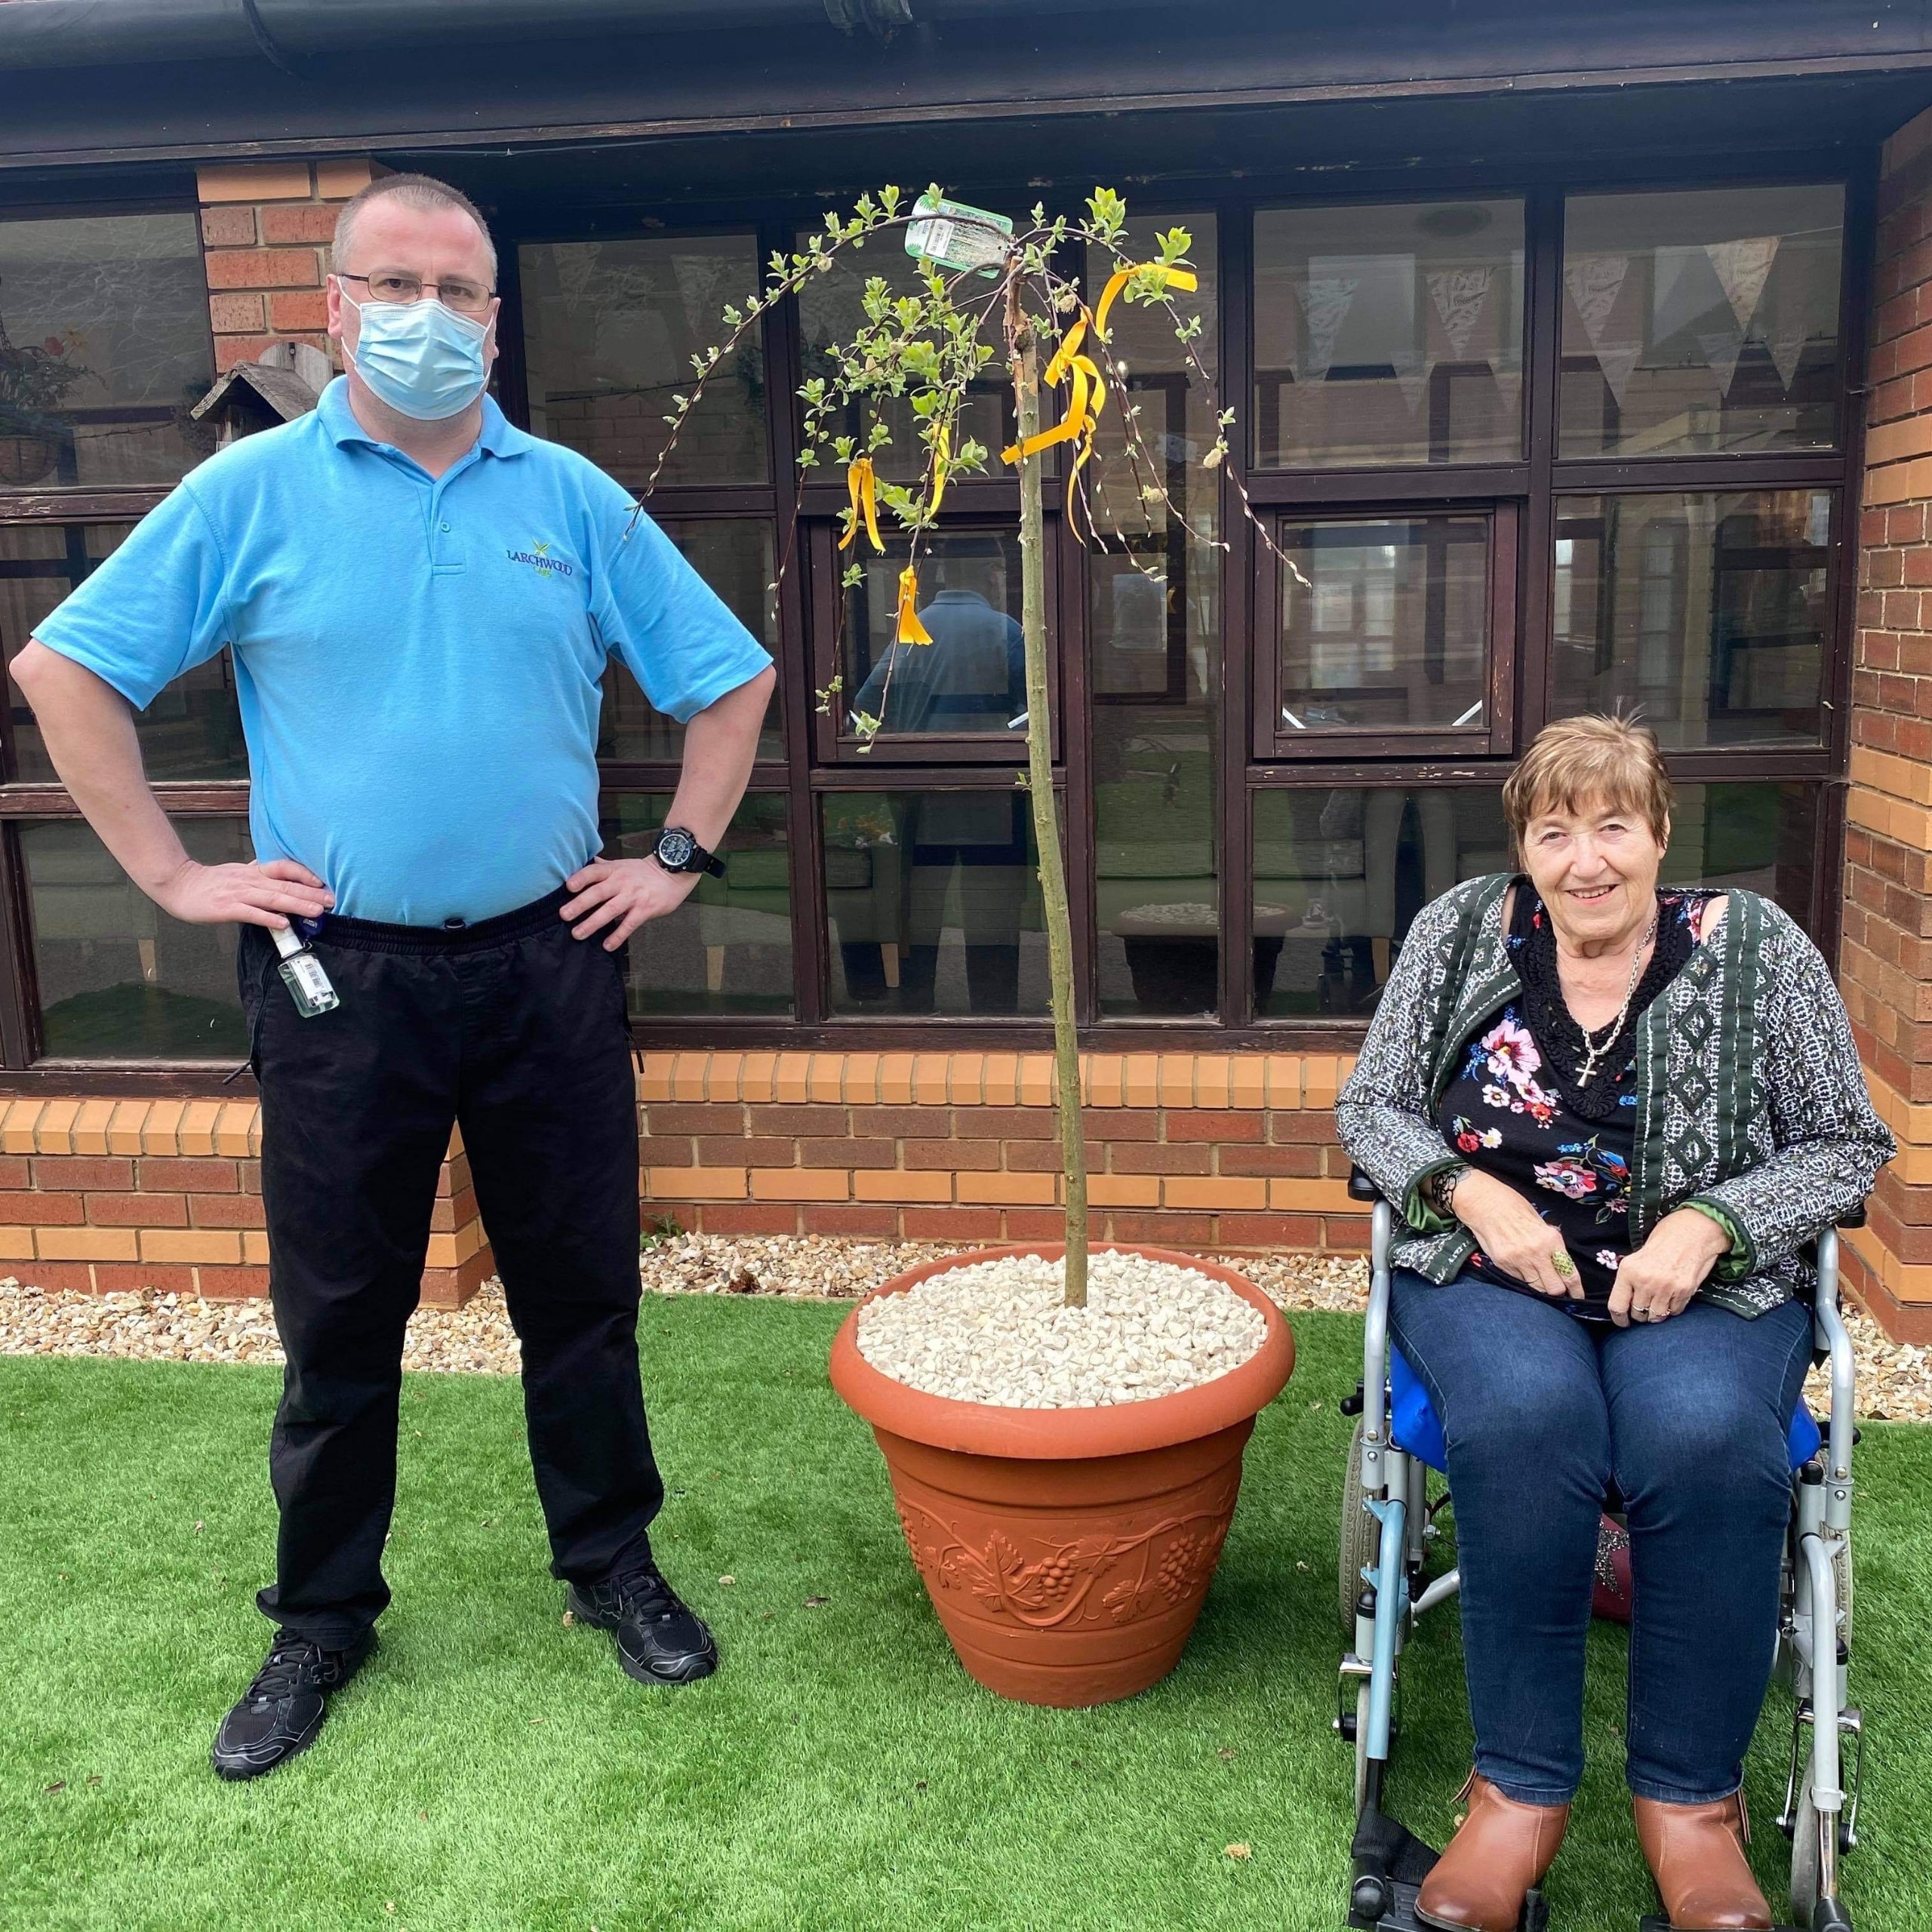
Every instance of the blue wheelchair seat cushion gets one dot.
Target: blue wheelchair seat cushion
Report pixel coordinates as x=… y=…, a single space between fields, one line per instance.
x=1414 y=1428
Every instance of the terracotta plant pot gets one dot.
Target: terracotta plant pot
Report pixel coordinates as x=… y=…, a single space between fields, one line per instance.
x=1067 y=1550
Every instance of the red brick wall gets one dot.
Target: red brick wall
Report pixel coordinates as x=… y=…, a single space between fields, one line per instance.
x=266 y=228
x=107 y=1194
x=1215 y=1153
x=1206 y=1152
x=1885 y=960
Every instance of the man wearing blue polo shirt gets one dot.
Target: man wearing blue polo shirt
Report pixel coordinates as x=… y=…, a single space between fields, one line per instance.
x=421 y=601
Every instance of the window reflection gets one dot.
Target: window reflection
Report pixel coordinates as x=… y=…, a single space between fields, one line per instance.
x=1389 y=335
x=193 y=728
x=972 y=678
x=1706 y=610
x=610 y=329
x=104 y=348
x=734 y=556
x=727 y=949
x=1701 y=321
x=1761 y=837
x=119 y=978
x=1385 y=624
x=1338 y=875
x=934 y=903
x=1154 y=622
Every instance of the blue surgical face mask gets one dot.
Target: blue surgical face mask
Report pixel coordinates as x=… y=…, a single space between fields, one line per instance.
x=424 y=361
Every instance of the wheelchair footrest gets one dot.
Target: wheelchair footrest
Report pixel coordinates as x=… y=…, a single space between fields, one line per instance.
x=1390 y=1863
x=1655 y=1921
x=1401 y=1915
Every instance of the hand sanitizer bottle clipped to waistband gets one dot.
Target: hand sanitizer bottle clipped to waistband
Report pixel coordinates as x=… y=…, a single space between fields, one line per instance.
x=307 y=979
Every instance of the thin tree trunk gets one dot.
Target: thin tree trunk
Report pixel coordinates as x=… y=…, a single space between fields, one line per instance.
x=1040 y=784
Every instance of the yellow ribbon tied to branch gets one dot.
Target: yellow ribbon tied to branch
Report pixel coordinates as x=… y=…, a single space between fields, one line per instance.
x=862 y=480
x=863 y=485
x=910 y=631
x=1089 y=394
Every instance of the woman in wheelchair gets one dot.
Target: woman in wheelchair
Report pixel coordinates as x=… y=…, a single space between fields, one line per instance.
x=1610 y=1116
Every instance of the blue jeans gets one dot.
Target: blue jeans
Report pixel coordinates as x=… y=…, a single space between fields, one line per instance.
x=1541 y=1413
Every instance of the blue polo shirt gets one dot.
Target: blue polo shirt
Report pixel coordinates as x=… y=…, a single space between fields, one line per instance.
x=418 y=660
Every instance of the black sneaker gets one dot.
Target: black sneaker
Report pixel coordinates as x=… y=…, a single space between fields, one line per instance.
x=659 y=1640
x=280 y=1713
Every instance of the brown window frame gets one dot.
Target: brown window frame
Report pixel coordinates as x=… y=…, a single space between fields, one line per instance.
x=1531 y=488
x=1273 y=745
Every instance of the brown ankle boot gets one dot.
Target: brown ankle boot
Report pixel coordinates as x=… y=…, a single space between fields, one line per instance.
x=1501 y=1850
x=1696 y=1854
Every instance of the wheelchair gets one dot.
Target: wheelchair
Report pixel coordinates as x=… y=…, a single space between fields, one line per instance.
x=1391 y=1497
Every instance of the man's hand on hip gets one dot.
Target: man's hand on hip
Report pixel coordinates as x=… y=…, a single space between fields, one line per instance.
x=631 y=891
x=255 y=895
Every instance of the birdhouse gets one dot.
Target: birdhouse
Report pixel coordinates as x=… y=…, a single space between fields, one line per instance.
x=283 y=383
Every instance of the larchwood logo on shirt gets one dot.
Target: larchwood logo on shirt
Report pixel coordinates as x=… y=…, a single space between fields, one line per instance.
x=538 y=557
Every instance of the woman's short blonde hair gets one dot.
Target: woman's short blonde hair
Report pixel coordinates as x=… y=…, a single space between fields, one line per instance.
x=1576 y=763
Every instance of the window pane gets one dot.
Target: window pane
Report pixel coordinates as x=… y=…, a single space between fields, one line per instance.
x=733 y=555
x=832 y=312
x=1762 y=837
x=1701 y=321
x=1385 y=624
x=1708 y=611
x=609 y=330
x=1389 y=335
x=1339 y=876
x=104 y=348
x=119 y=979
x=934 y=903
x=1154 y=618
x=972 y=678
x=191 y=730
x=727 y=949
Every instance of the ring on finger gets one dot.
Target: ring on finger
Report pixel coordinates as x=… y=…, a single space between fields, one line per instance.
x=1560 y=1260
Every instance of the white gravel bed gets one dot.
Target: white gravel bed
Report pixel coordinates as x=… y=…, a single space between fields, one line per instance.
x=1001 y=1332
x=1894 y=1378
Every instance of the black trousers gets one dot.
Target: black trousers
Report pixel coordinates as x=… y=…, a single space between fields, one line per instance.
x=516 y=1032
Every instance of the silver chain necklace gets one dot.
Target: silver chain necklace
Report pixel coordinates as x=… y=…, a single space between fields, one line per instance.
x=1593 y=1050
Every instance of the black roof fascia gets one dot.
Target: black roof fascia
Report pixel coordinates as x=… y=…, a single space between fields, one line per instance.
x=537 y=93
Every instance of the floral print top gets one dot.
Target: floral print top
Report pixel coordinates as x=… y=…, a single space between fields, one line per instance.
x=1505 y=1113
x=1514 y=1108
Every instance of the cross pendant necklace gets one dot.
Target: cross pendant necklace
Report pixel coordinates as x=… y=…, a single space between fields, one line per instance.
x=1593 y=1050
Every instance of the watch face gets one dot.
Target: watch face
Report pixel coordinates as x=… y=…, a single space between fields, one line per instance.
x=674 y=847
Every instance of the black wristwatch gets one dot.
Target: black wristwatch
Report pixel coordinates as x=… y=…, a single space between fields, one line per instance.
x=677 y=851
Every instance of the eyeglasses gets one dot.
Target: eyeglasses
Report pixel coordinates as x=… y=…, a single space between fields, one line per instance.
x=466 y=297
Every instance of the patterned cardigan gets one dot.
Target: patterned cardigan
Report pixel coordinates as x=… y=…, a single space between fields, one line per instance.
x=1750 y=1100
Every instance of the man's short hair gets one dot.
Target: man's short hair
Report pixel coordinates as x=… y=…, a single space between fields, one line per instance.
x=1611 y=763
x=415 y=191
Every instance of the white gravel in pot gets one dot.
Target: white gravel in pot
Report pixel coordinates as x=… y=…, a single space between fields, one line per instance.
x=999 y=1332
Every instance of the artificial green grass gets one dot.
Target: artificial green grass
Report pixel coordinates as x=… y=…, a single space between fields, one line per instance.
x=493 y=1768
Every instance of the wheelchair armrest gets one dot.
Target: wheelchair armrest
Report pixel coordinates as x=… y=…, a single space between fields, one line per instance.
x=1360 y=1188
x=1855 y=1219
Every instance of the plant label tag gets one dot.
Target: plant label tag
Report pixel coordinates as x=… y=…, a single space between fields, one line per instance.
x=956 y=236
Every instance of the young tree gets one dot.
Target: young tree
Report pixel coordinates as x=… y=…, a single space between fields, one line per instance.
x=984 y=289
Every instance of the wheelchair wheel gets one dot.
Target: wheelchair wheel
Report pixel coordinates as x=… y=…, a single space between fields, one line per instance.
x=1360 y=1541
x=1805 y=1891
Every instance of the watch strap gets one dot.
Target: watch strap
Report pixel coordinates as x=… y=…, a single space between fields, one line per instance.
x=698 y=859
